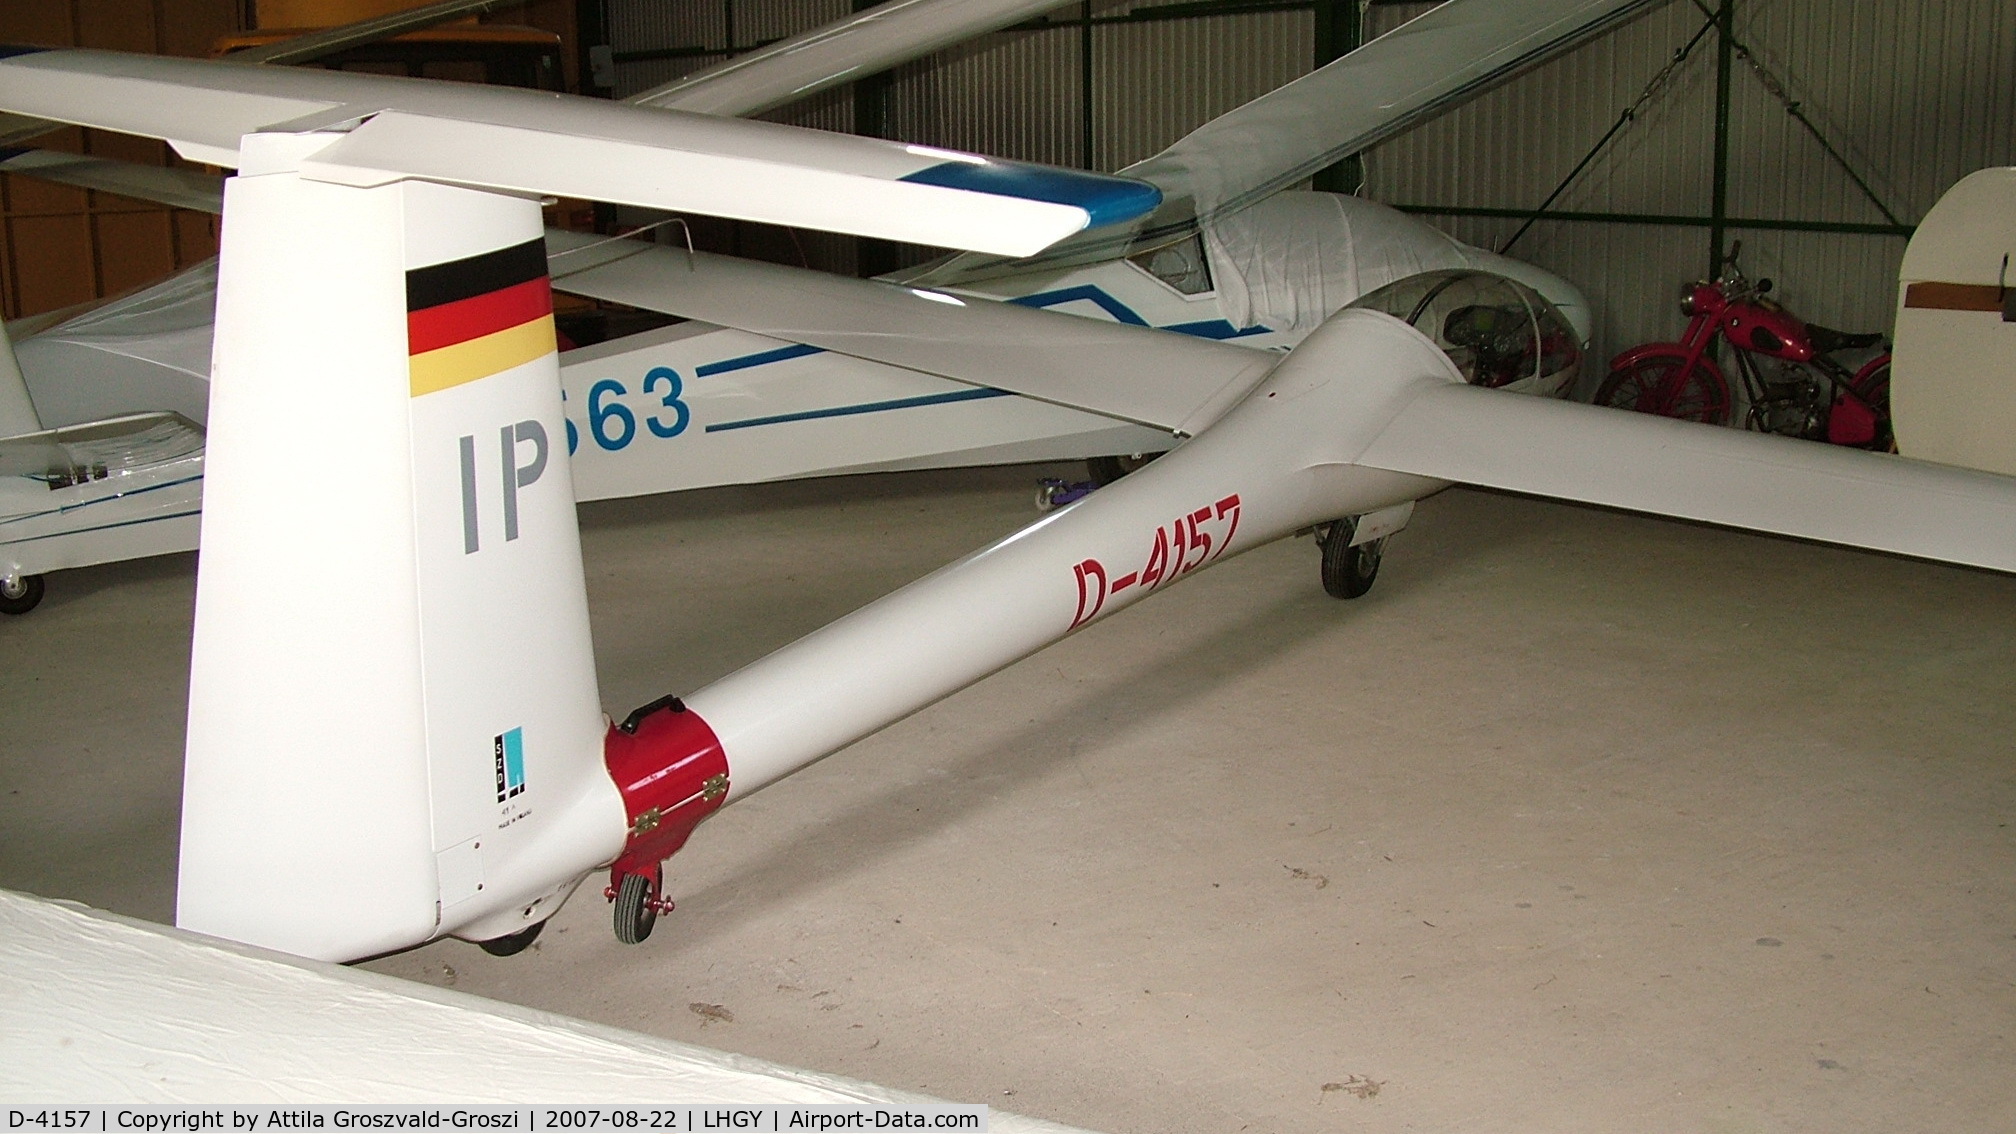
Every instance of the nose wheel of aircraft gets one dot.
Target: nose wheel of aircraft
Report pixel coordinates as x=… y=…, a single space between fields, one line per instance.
x=20 y=593
x=638 y=905
x=512 y=944
x=1348 y=571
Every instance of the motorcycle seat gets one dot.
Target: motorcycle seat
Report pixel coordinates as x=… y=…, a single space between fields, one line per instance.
x=1827 y=340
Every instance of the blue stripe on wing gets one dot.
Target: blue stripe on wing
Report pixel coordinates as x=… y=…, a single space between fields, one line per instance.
x=1107 y=200
x=764 y=358
x=865 y=407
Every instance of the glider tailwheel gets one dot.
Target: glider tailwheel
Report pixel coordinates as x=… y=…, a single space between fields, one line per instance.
x=512 y=944
x=637 y=903
x=20 y=593
x=1348 y=571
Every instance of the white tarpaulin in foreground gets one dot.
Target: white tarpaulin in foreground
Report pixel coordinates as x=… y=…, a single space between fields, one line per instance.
x=98 y=1008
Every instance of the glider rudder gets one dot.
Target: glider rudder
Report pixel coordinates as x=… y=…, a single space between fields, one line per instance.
x=394 y=728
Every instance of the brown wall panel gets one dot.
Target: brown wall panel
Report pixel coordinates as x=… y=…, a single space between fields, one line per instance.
x=38 y=22
x=52 y=261
x=60 y=246
x=136 y=248
x=195 y=236
x=191 y=28
x=126 y=147
x=556 y=16
x=36 y=198
x=116 y=25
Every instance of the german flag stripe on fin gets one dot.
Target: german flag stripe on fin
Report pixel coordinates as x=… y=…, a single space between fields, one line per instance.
x=437 y=284
x=468 y=319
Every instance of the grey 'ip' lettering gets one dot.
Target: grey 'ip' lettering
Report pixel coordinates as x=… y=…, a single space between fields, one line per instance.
x=516 y=476
x=469 y=543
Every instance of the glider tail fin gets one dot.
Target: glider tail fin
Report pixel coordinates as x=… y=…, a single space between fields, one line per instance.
x=394 y=729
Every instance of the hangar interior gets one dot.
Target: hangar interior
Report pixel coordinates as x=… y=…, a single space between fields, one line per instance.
x=1578 y=820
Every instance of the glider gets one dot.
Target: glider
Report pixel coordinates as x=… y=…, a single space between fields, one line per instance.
x=388 y=522
x=750 y=396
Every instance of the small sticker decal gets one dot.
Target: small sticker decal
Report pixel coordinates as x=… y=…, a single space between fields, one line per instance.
x=510 y=751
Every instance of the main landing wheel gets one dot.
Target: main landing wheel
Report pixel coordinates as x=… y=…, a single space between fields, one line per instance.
x=512 y=944
x=636 y=908
x=19 y=594
x=1348 y=571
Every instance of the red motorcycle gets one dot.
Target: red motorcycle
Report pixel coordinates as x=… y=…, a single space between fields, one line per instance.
x=1792 y=384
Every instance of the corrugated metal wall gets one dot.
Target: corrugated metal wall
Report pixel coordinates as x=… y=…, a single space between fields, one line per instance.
x=1018 y=93
x=1156 y=80
x=1914 y=95
x=1014 y=94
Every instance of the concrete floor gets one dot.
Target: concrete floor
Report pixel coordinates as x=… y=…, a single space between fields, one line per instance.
x=1579 y=822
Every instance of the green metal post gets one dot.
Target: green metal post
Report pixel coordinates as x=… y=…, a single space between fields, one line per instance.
x=871 y=95
x=591 y=36
x=1339 y=30
x=873 y=257
x=1085 y=123
x=591 y=30
x=1718 y=210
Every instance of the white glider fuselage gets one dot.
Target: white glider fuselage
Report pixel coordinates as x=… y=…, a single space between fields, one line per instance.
x=479 y=791
x=1281 y=460
x=695 y=404
x=763 y=408
x=395 y=731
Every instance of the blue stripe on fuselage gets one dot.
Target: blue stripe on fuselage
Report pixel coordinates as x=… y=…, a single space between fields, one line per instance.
x=64 y=509
x=1214 y=329
x=1088 y=292
x=1205 y=329
x=1098 y=297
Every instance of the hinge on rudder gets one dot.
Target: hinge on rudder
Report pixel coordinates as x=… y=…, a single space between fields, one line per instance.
x=671 y=772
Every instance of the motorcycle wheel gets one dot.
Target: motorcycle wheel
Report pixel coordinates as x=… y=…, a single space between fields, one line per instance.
x=1655 y=384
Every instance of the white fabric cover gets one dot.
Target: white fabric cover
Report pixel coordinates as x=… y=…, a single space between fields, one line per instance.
x=1295 y=259
x=103 y=1009
x=145 y=351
